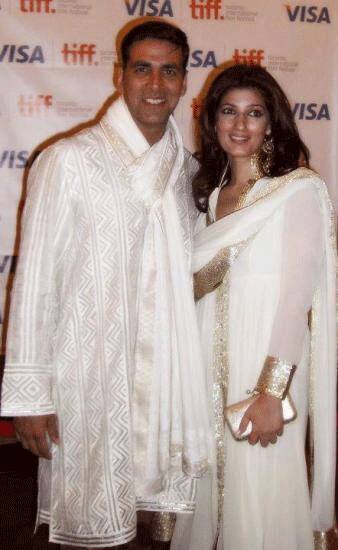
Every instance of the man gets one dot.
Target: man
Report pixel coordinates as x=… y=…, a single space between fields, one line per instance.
x=102 y=341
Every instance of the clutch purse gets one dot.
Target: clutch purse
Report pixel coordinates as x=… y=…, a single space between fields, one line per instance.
x=234 y=414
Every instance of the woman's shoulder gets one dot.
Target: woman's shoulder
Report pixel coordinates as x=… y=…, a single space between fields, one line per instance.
x=300 y=178
x=308 y=180
x=302 y=174
x=307 y=185
x=288 y=186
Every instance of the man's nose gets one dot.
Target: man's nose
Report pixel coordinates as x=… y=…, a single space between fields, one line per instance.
x=156 y=79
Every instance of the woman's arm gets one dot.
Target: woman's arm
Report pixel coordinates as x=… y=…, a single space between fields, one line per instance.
x=302 y=256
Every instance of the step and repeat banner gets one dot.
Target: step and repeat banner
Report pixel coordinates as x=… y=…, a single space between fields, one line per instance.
x=57 y=60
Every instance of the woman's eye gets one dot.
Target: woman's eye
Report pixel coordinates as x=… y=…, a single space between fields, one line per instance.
x=256 y=113
x=227 y=111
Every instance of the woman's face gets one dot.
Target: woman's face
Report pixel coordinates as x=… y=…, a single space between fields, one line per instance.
x=242 y=121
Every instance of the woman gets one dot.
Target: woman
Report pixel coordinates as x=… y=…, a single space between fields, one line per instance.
x=264 y=265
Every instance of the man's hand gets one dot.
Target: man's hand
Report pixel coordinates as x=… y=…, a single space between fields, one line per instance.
x=267 y=420
x=32 y=432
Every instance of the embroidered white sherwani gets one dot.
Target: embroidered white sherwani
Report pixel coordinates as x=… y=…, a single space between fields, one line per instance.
x=101 y=325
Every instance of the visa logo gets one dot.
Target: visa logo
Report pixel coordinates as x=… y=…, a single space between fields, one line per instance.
x=149 y=7
x=308 y=14
x=13 y=159
x=311 y=111
x=21 y=54
x=7 y=264
x=201 y=59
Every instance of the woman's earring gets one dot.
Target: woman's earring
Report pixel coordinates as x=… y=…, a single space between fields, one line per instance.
x=268 y=150
x=256 y=167
x=262 y=160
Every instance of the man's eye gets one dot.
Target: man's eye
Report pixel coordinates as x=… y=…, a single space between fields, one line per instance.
x=141 y=69
x=170 y=72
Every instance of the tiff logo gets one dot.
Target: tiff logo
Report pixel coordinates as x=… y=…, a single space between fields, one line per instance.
x=206 y=9
x=79 y=54
x=34 y=105
x=36 y=6
x=248 y=57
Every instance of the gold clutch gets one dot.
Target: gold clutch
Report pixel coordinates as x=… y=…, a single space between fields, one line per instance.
x=234 y=414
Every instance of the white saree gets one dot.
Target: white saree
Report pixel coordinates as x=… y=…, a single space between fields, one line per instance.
x=280 y=255
x=103 y=332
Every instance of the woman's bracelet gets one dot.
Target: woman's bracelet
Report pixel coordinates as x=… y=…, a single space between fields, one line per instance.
x=275 y=377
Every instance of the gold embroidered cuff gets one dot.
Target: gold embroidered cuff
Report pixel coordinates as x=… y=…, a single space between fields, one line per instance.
x=275 y=377
x=162 y=526
x=325 y=540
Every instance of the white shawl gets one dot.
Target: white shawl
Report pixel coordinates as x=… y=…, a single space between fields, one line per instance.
x=169 y=411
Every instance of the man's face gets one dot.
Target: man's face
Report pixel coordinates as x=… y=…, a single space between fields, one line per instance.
x=152 y=84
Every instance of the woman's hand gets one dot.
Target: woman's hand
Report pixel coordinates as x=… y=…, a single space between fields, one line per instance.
x=267 y=420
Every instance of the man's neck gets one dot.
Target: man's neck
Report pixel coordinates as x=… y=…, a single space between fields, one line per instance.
x=152 y=135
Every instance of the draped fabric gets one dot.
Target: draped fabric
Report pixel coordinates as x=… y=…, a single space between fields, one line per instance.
x=285 y=269
x=102 y=334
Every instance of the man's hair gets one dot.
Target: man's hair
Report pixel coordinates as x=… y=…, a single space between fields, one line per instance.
x=155 y=30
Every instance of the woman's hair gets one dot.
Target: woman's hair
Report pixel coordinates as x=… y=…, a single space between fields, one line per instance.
x=289 y=150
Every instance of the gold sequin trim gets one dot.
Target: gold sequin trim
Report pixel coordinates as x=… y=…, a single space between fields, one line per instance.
x=279 y=182
x=326 y=540
x=162 y=526
x=275 y=377
x=195 y=470
x=220 y=385
x=313 y=346
x=211 y=275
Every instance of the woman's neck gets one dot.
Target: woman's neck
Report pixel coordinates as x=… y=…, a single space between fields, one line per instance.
x=241 y=172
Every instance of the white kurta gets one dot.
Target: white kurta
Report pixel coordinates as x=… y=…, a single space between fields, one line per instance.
x=75 y=324
x=281 y=264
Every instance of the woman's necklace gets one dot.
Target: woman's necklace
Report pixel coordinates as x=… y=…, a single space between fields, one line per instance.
x=229 y=204
x=244 y=193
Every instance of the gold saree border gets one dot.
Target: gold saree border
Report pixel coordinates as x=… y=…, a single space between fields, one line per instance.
x=220 y=366
x=220 y=386
x=326 y=540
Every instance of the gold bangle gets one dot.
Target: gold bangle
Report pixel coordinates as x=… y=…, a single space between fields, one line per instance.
x=275 y=377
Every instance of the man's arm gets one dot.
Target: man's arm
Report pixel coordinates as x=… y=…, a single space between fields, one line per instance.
x=27 y=381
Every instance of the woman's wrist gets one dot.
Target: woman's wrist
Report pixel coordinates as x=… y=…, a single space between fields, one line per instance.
x=275 y=377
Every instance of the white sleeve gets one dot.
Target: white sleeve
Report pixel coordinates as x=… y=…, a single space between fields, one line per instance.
x=27 y=380
x=302 y=257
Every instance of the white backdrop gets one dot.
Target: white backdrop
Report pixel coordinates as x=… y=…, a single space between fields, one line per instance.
x=57 y=59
